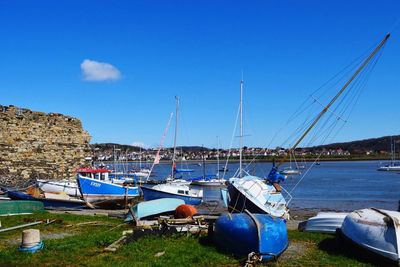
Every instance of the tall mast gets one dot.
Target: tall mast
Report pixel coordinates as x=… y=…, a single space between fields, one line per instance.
x=241 y=129
x=366 y=61
x=176 y=133
x=217 y=156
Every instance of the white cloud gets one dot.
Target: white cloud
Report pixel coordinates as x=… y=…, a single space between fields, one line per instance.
x=139 y=144
x=99 y=71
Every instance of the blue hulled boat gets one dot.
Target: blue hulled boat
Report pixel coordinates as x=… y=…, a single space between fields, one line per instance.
x=99 y=189
x=244 y=233
x=190 y=196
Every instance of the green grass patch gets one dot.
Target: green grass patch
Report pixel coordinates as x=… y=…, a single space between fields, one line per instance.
x=83 y=246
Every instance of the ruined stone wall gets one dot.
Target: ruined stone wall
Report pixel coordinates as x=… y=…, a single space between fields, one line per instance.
x=39 y=145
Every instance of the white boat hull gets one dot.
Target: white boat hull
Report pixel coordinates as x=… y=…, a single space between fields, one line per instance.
x=68 y=187
x=323 y=222
x=253 y=194
x=389 y=168
x=211 y=182
x=375 y=230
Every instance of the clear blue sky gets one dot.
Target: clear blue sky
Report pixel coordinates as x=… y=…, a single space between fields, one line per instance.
x=195 y=49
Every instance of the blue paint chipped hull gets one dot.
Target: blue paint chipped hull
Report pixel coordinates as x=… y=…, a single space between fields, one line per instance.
x=243 y=233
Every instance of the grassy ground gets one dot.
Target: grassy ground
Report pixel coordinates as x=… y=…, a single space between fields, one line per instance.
x=70 y=244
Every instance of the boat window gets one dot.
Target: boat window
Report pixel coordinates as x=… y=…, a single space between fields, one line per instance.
x=102 y=176
x=187 y=192
x=181 y=192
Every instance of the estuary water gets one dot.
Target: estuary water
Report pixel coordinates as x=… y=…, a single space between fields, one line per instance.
x=335 y=185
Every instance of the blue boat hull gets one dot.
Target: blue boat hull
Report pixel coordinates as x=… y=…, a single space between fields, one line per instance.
x=243 y=233
x=48 y=203
x=97 y=191
x=150 y=194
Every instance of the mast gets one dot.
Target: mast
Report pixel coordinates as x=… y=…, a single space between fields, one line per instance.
x=217 y=156
x=241 y=129
x=326 y=108
x=176 y=133
x=204 y=164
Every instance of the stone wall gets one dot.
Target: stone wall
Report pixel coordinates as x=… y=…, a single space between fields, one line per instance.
x=39 y=145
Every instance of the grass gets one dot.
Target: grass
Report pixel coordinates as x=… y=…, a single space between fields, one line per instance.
x=67 y=244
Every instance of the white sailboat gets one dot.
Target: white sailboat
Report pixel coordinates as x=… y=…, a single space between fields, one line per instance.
x=247 y=192
x=290 y=170
x=393 y=166
x=173 y=188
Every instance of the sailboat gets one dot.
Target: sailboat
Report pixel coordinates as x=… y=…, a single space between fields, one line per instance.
x=256 y=228
x=174 y=188
x=266 y=197
x=289 y=170
x=247 y=192
x=393 y=166
x=208 y=180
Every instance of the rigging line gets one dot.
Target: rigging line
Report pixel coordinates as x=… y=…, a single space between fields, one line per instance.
x=232 y=139
x=353 y=62
x=305 y=174
x=365 y=62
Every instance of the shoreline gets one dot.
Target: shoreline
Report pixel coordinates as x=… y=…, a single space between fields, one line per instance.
x=223 y=161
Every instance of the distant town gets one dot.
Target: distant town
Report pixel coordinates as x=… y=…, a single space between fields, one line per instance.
x=377 y=148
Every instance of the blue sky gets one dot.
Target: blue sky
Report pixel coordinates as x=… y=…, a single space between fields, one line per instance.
x=196 y=50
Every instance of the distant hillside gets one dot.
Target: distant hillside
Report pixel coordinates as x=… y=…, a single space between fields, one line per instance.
x=359 y=147
x=111 y=146
x=374 y=145
x=129 y=148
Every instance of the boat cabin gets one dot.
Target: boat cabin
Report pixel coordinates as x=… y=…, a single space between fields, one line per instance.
x=98 y=174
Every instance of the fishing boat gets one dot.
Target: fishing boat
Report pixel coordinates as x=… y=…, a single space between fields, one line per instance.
x=20 y=207
x=71 y=188
x=323 y=222
x=190 y=196
x=260 y=236
x=49 y=200
x=393 y=165
x=152 y=208
x=97 y=188
x=375 y=230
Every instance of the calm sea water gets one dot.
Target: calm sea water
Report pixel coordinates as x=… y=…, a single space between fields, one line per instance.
x=340 y=185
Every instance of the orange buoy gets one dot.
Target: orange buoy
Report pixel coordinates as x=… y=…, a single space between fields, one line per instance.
x=185 y=211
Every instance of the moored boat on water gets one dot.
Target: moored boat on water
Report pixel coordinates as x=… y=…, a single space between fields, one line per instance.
x=99 y=189
x=243 y=233
x=208 y=181
x=375 y=230
x=190 y=196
